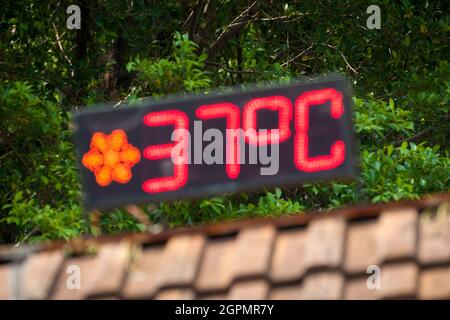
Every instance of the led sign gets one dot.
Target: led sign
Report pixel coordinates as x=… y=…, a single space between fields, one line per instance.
x=208 y=144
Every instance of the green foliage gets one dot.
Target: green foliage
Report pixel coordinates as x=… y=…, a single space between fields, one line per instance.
x=130 y=50
x=38 y=179
x=183 y=70
x=118 y=220
x=405 y=172
x=225 y=207
x=377 y=121
x=38 y=223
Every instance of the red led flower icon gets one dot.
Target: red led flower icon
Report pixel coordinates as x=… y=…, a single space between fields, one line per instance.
x=111 y=157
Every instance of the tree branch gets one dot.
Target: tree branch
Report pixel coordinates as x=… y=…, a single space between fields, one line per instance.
x=422 y=133
x=232 y=30
x=58 y=41
x=297 y=56
x=348 y=64
x=216 y=64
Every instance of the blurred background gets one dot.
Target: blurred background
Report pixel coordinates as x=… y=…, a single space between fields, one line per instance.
x=126 y=50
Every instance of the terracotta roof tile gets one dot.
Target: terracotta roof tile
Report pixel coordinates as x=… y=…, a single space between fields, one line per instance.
x=397 y=234
x=106 y=298
x=249 y=290
x=357 y=289
x=434 y=246
x=361 y=249
x=435 y=283
x=253 y=251
x=289 y=292
x=308 y=256
x=66 y=287
x=399 y=280
x=216 y=270
x=325 y=243
x=180 y=261
x=4 y=282
x=110 y=267
x=39 y=273
x=175 y=294
x=140 y=282
x=323 y=286
x=288 y=261
x=213 y=296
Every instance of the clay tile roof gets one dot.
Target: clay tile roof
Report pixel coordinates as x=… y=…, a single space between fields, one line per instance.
x=334 y=255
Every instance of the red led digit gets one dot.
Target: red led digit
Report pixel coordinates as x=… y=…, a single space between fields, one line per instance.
x=178 y=120
x=301 y=142
x=232 y=114
x=275 y=103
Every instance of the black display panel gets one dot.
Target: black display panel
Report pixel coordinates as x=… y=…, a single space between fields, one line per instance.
x=201 y=145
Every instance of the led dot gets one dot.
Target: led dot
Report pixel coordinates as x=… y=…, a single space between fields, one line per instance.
x=117 y=139
x=111 y=157
x=130 y=154
x=92 y=160
x=100 y=142
x=103 y=176
x=121 y=173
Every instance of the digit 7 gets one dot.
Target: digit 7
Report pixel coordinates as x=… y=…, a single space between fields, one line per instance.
x=232 y=114
x=179 y=120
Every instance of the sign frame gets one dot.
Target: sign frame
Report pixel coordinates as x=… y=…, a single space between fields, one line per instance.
x=90 y=201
